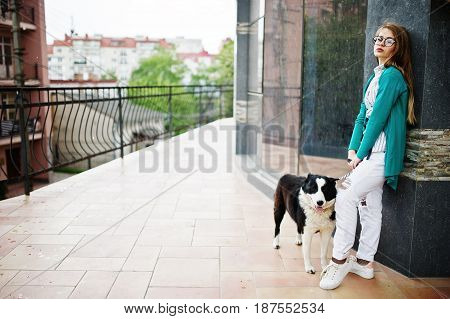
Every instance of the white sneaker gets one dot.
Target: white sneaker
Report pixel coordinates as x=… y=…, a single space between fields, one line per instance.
x=333 y=274
x=365 y=272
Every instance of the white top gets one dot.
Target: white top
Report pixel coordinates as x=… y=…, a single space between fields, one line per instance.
x=369 y=101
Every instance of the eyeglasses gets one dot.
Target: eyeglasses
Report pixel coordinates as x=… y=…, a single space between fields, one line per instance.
x=387 y=41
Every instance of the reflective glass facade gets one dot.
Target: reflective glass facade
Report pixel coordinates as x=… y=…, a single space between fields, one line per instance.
x=304 y=84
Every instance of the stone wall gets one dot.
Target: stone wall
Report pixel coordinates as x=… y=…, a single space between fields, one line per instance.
x=427 y=155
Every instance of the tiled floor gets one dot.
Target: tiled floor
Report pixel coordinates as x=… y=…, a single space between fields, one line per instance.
x=140 y=228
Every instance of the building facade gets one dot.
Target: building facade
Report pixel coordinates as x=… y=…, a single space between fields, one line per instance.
x=93 y=58
x=300 y=70
x=33 y=42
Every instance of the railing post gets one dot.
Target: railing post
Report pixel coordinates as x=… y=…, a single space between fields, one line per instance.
x=200 y=109
x=20 y=82
x=24 y=147
x=170 y=113
x=120 y=121
x=221 y=102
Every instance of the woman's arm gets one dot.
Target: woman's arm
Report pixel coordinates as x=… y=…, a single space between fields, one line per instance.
x=391 y=86
x=355 y=141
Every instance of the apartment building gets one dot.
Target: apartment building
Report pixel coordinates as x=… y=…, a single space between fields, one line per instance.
x=88 y=58
x=33 y=42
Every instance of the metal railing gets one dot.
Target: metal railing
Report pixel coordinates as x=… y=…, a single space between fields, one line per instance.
x=68 y=125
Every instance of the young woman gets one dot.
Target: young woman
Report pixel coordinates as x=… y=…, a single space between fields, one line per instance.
x=375 y=155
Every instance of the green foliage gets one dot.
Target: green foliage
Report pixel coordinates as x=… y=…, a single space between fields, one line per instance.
x=221 y=72
x=68 y=170
x=109 y=75
x=162 y=68
x=186 y=107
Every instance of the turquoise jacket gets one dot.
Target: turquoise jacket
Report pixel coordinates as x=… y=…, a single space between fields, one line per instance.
x=388 y=115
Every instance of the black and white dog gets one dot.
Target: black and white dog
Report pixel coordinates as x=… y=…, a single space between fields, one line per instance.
x=310 y=203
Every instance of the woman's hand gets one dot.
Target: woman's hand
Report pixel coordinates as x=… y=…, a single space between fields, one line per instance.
x=350 y=157
x=354 y=162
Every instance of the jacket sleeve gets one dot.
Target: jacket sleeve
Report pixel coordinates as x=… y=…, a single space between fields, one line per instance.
x=355 y=141
x=391 y=86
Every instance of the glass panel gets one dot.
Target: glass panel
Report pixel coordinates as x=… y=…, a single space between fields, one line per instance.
x=333 y=69
x=282 y=72
x=256 y=52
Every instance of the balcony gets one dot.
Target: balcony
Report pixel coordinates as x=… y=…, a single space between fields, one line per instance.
x=176 y=219
x=27 y=16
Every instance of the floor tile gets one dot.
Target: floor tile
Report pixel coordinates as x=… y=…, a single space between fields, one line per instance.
x=106 y=246
x=184 y=272
x=190 y=252
x=10 y=241
x=52 y=239
x=166 y=237
x=250 y=259
x=237 y=285
x=36 y=292
x=423 y=293
x=24 y=277
x=6 y=276
x=286 y=279
x=292 y=293
x=41 y=226
x=57 y=278
x=81 y=263
x=5 y=228
x=221 y=228
x=34 y=257
x=142 y=258
x=182 y=293
x=130 y=285
x=94 y=285
x=217 y=241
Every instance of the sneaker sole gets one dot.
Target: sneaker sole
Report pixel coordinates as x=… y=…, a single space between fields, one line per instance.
x=333 y=286
x=361 y=274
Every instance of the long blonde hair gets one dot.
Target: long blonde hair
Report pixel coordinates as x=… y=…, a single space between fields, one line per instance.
x=401 y=59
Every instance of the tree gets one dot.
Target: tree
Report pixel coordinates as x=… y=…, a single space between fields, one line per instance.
x=162 y=68
x=109 y=75
x=221 y=72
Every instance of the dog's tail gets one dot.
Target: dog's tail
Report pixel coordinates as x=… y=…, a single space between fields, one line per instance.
x=279 y=207
x=278 y=199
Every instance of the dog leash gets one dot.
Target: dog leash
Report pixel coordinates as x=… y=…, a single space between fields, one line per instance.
x=345 y=183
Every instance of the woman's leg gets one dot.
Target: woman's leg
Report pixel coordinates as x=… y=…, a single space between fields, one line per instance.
x=370 y=218
x=365 y=179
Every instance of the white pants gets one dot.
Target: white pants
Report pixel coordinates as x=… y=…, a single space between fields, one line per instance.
x=366 y=182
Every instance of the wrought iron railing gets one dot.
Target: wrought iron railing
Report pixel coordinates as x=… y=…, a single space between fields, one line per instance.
x=66 y=125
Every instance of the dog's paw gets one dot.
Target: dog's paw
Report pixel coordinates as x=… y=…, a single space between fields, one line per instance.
x=276 y=243
x=298 y=240
x=310 y=270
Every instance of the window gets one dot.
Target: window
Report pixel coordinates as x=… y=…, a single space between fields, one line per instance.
x=6 y=71
x=5 y=51
x=79 y=59
x=123 y=57
x=8 y=98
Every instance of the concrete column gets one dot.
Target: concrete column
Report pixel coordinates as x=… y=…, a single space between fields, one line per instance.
x=241 y=74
